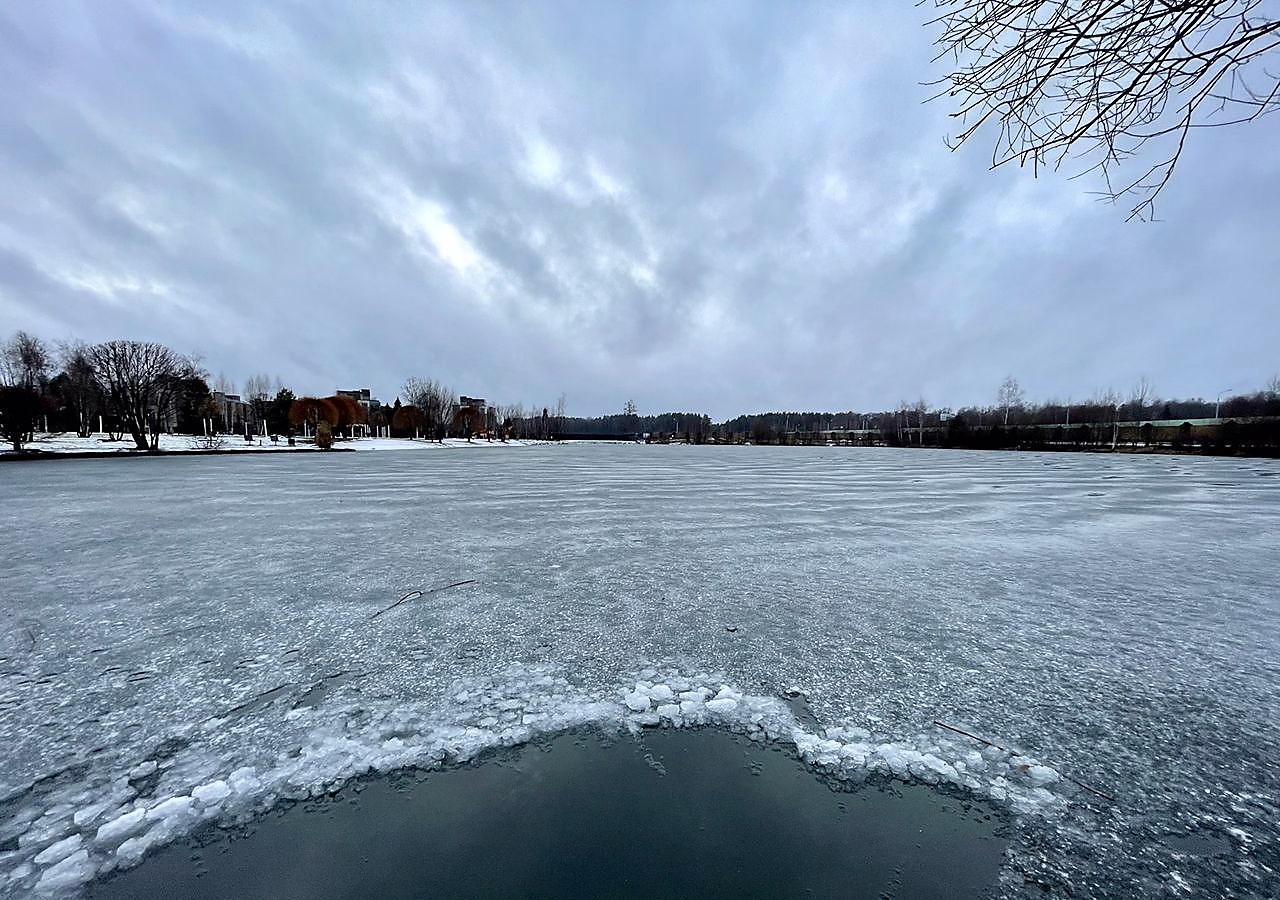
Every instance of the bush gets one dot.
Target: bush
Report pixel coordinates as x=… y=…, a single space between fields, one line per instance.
x=20 y=409
x=324 y=436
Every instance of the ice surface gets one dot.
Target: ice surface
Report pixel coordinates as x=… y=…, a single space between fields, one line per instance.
x=190 y=641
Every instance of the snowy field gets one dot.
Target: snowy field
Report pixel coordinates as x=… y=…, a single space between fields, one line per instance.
x=183 y=443
x=194 y=640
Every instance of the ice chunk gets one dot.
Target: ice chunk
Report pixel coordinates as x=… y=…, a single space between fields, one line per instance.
x=855 y=754
x=212 y=793
x=930 y=768
x=244 y=780
x=637 y=701
x=722 y=705
x=143 y=769
x=74 y=870
x=669 y=710
x=661 y=693
x=89 y=813
x=133 y=849
x=171 y=808
x=59 y=851
x=121 y=827
x=1042 y=774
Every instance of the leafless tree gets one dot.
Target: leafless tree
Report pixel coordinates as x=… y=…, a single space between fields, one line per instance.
x=559 y=421
x=1009 y=396
x=436 y=402
x=1103 y=79
x=1273 y=387
x=224 y=385
x=79 y=388
x=141 y=383
x=258 y=392
x=920 y=407
x=1108 y=404
x=258 y=386
x=515 y=413
x=24 y=362
x=1141 y=396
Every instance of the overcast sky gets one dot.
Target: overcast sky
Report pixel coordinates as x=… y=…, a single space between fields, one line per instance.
x=726 y=208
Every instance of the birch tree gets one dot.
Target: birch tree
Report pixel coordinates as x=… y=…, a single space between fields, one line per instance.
x=1009 y=396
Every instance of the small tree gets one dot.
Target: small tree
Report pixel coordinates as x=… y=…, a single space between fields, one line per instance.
x=20 y=410
x=324 y=436
x=1009 y=396
x=313 y=411
x=349 y=412
x=1140 y=397
x=408 y=419
x=77 y=387
x=24 y=362
x=920 y=408
x=257 y=392
x=630 y=417
x=278 y=413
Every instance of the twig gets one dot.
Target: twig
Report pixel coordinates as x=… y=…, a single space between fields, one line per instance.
x=1081 y=784
x=413 y=595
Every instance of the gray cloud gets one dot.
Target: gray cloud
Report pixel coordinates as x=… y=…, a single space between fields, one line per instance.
x=727 y=207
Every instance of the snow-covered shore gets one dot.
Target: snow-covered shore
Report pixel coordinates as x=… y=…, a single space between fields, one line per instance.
x=182 y=443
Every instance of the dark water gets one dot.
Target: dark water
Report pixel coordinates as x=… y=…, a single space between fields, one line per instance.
x=668 y=814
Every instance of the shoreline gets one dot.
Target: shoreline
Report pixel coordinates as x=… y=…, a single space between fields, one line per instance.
x=46 y=455
x=32 y=454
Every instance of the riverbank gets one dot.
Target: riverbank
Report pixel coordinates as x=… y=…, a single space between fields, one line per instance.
x=72 y=447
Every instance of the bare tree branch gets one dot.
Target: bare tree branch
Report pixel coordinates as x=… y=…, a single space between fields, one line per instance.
x=1101 y=80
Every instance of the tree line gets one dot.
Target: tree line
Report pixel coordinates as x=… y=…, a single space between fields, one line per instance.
x=1107 y=418
x=144 y=389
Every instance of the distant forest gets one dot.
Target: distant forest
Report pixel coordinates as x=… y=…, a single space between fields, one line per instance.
x=1248 y=421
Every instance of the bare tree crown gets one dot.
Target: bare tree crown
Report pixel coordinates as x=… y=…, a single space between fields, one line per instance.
x=1104 y=79
x=141 y=383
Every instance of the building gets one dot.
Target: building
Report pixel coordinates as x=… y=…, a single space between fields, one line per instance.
x=363 y=396
x=471 y=417
x=233 y=412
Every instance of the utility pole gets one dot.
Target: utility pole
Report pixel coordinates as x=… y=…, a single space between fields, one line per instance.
x=1218 y=403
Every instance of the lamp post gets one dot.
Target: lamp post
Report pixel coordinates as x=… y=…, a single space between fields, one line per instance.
x=1218 y=403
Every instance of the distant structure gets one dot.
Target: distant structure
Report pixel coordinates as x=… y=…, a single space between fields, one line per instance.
x=371 y=406
x=233 y=412
x=470 y=417
x=363 y=396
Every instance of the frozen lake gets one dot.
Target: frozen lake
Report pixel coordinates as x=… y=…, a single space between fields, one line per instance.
x=190 y=640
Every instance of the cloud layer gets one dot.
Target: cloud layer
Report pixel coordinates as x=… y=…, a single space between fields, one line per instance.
x=720 y=207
